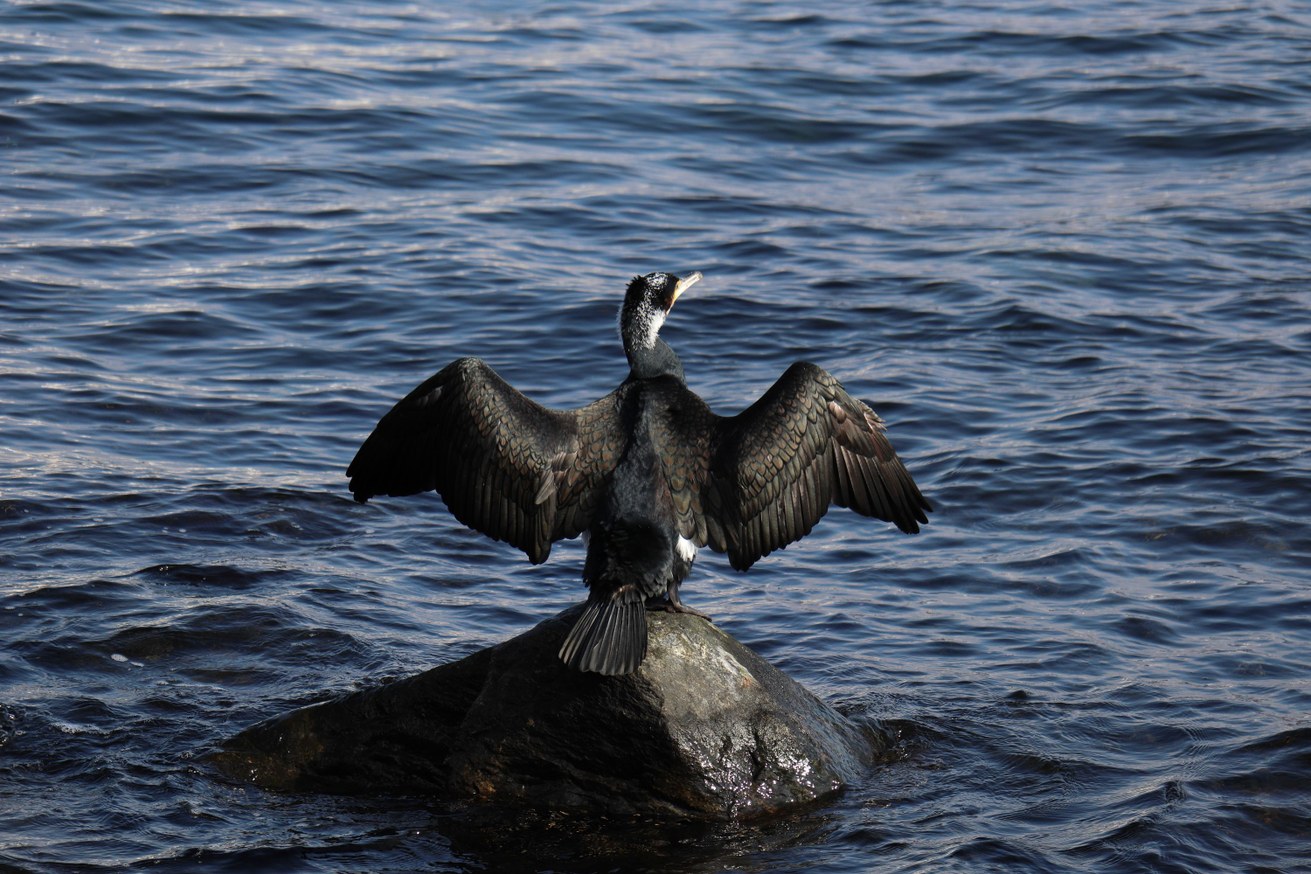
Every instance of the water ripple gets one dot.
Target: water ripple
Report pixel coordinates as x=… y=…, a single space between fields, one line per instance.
x=1061 y=250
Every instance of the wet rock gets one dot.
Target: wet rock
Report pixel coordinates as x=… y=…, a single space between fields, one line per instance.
x=704 y=729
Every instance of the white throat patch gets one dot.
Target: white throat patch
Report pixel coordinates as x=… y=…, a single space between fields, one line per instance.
x=653 y=330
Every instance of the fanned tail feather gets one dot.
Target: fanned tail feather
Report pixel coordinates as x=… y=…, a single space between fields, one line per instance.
x=608 y=638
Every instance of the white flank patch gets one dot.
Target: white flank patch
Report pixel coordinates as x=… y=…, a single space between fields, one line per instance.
x=686 y=548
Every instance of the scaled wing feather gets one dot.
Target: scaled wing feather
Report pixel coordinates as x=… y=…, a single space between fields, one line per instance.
x=504 y=464
x=806 y=444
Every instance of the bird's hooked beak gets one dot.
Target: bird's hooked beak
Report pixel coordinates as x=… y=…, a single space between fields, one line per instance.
x=683 y=285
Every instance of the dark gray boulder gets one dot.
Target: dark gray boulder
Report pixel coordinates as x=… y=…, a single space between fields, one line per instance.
x=704 y=729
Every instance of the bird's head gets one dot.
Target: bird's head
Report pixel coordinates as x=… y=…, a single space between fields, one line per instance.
x=646 y=304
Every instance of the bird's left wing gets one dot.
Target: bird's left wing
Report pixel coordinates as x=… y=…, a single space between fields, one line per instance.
x=805 y=444
x=504 y=464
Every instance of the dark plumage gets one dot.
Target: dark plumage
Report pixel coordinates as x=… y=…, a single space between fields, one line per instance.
x=648 y=472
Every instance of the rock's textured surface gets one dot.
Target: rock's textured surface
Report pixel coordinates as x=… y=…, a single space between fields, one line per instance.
x=704 y=729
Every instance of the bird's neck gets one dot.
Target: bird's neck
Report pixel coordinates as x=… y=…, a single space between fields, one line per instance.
x=649 y=362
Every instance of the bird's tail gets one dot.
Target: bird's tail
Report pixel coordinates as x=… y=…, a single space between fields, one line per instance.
x=608 y=638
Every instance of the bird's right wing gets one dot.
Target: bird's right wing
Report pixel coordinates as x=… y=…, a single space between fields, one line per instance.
x=504 y=464
x=805 y=444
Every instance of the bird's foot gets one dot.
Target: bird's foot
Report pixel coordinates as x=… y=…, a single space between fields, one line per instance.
x=672 y=604
x=691 y=611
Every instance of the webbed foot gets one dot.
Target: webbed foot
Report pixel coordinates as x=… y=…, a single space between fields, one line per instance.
x=671 y=603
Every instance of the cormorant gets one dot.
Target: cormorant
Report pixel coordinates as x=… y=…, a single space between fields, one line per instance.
x=647 y=473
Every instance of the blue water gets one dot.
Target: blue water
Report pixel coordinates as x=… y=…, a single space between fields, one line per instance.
x=1063 y=249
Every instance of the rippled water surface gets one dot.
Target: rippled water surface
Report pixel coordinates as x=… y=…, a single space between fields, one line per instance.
x=1062 y=248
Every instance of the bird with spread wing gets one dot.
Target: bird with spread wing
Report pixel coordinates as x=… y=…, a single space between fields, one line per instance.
x=647 y=474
